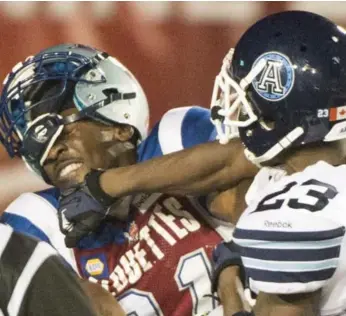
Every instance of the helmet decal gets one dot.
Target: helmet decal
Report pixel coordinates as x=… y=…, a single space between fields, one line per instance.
x=276 y=80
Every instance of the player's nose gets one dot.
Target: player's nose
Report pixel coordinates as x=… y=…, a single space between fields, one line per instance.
x=58 y=148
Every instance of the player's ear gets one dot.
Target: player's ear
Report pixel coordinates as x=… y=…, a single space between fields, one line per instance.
x=119 y=132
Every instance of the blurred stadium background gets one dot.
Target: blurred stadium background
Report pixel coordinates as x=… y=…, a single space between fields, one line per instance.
x=174 y=48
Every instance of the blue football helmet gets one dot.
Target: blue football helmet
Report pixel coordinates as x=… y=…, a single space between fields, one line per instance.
x=283 y=85
x=37 y=90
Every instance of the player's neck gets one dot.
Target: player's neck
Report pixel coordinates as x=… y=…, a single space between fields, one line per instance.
x=305 y=157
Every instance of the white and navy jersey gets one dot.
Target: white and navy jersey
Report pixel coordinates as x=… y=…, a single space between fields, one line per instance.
x=34 y=281
x=292 y=237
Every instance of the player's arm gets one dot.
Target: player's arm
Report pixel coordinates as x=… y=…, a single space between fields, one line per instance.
x=198 y=170
x=302 y=304
x=228 y=278
x=56 y=291
x=229 y=287
x=181 y=156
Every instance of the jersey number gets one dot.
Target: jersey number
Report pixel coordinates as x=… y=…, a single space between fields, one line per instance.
x=320 y=199
x=188 y=277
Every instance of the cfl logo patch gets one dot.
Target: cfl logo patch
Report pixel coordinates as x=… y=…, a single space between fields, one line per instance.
x=276 y=80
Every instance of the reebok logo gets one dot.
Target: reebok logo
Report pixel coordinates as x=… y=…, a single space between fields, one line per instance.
x=278 y=224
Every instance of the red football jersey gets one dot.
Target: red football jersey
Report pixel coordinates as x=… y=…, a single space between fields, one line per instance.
x=164 y=267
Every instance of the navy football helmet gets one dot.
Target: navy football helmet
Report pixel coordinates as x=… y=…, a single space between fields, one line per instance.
x=61 y=77
x=283 y=85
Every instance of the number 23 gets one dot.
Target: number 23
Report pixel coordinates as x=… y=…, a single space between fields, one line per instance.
x=322 y=198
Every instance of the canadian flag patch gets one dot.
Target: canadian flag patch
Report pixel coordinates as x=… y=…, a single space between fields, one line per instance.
x=337 y=114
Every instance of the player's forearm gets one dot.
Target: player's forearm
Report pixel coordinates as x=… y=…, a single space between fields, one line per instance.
x=230 y=300
x=229 y=287
x=201 y=169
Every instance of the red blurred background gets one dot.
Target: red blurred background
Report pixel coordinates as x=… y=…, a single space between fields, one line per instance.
x=174 y=48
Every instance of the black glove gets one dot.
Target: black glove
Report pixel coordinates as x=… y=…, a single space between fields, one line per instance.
x=225 y=254
x=83 y=208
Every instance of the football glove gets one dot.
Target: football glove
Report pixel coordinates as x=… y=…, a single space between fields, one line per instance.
x=83 y=208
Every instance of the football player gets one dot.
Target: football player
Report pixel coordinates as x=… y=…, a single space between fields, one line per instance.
x=288 y=74
x=34 y=280
x=71 y=112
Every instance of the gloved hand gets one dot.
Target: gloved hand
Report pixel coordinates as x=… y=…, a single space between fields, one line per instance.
x=224 y=255
x=83 y=208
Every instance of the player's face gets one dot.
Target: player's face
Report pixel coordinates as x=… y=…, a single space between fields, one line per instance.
x=82 y=146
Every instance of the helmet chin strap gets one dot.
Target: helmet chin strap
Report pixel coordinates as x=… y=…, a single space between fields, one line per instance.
x=276 y=149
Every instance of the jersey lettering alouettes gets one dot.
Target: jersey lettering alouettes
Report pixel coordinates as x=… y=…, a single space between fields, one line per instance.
x=164 y=266
x=292 y=236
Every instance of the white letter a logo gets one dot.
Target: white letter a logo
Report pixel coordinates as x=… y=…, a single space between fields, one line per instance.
x=271 y=76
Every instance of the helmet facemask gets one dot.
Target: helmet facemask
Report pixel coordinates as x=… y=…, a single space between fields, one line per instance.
x=36 y=91
x=229 y=105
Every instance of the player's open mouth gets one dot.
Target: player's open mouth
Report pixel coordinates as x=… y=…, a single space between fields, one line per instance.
x=68 y=169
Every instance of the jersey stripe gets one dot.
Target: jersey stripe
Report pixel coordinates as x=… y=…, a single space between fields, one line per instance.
x=22 y=225
x=6 y=233
x=43 y=216
x=21 y=257
x=290 y=266
x=51 y=195
x=170 y=133
x=185 y=127
x=34 y=215
x=40 y=254
x=264 y=235
x=289 y=277
x=290 y=254
x=285 y=261
x=10 y=257
x=260 y=244
x=197 y=127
